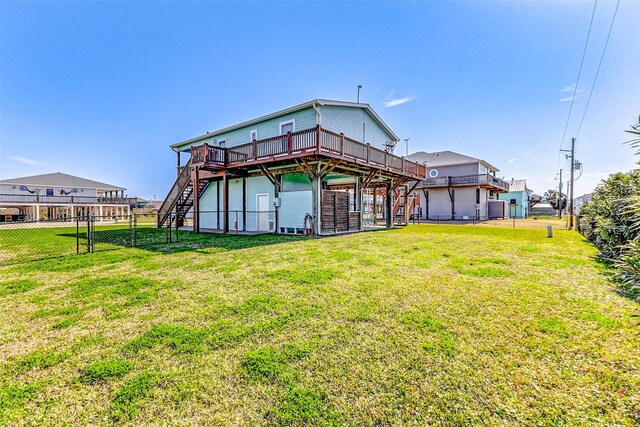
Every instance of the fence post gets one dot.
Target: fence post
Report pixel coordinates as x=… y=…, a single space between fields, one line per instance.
x=135 y=230
x=177 y=228
x=130 y=231
x=168 y=231
x=77 y=235
x=89 y=234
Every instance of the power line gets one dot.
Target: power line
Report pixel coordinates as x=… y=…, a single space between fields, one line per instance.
x=575 y=89
x=598 y=71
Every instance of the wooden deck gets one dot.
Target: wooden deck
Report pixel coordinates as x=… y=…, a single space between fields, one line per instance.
x=482 y=180
x=315 y=142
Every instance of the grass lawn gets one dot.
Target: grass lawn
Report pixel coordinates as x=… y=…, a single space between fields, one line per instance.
x=429 y=324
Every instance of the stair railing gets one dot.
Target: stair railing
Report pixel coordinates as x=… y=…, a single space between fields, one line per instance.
x=174 y=194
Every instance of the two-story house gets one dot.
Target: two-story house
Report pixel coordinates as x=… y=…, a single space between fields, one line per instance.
x=319 y=167
x=59 y=196
x=457 y=187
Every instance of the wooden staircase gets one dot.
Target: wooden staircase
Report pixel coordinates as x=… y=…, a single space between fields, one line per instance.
x=403 y=208
x=180 y=198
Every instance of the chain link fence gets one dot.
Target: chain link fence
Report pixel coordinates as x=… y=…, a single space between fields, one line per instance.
x=24 y=241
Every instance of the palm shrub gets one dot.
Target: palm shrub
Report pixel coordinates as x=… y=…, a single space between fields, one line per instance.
x=628 y=263
x=610 y=218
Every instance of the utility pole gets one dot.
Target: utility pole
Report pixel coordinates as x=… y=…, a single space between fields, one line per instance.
x=570 y=195
x=406 y=146
x=358 y=98
x=560 y=196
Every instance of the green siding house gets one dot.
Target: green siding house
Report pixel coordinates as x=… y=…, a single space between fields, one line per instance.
x=310 y=168
x=519 y=192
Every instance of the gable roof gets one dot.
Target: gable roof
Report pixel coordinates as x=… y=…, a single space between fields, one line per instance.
x=289 y=110
x=446 y=158
x=518 y=185
x=59 y=179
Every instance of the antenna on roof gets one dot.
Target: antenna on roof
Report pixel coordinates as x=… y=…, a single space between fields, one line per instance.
x=389 y=146
x=358 y=98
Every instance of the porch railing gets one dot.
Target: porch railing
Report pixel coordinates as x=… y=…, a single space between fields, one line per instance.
x=63 y=199
x=480 y=179
x=309 y=141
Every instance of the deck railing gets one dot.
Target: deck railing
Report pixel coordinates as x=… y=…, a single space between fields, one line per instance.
x=64 y=199
x=308 y=141
x=480 y=179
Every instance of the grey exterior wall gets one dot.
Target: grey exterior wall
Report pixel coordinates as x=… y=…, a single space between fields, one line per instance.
x=464 y=202
x=455 y=170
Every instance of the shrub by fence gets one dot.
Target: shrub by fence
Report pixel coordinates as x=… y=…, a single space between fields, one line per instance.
x=611 y=220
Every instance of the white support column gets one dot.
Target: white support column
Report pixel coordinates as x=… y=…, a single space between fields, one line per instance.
x=37 y=216
x=100 y=213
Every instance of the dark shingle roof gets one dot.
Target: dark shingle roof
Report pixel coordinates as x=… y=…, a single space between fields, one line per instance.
x=59 y=179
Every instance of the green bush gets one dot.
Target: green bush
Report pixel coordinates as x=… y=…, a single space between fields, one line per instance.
x=611 y=220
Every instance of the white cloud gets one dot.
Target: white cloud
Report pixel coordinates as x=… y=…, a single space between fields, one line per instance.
x=512 y=160
x=567 y=99
x=398 y=101
x=27 y=161
x=571 y=88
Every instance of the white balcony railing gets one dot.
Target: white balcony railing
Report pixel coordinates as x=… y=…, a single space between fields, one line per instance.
x=76 y=200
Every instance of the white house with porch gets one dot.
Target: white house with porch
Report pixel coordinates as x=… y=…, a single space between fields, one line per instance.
x=59 y=196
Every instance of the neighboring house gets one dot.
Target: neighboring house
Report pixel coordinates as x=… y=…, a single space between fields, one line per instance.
x=578 y=202
x=521 y=195
x=320 y=165
x=141 y=203
x=457 y=187
x=59 y=196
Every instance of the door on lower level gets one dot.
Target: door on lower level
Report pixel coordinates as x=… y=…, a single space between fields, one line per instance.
x=262 y=206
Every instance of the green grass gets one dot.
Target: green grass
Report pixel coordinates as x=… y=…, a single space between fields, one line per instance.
x=102 y=371
x=425 y=325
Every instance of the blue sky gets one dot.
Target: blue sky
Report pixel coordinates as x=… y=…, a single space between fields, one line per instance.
x=100 y=89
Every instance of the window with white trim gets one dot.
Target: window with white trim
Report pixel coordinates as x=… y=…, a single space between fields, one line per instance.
x=288 y=126
x=254 y=134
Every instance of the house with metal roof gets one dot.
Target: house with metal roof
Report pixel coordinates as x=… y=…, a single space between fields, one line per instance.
x=320 y=167
x=457 y=187
x=519 y=198
x=59 y=196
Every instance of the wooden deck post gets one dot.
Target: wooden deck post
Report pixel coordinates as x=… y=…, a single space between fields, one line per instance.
x=195 y=181
x=369 y=152
x=178 y=168
x=289 y=143
x=341 y=144
x=316 y=197
x=358 y=196
x=225 y=202
x=244 y=204
x=318 y=139
x=254 y=148
x=389 y=203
